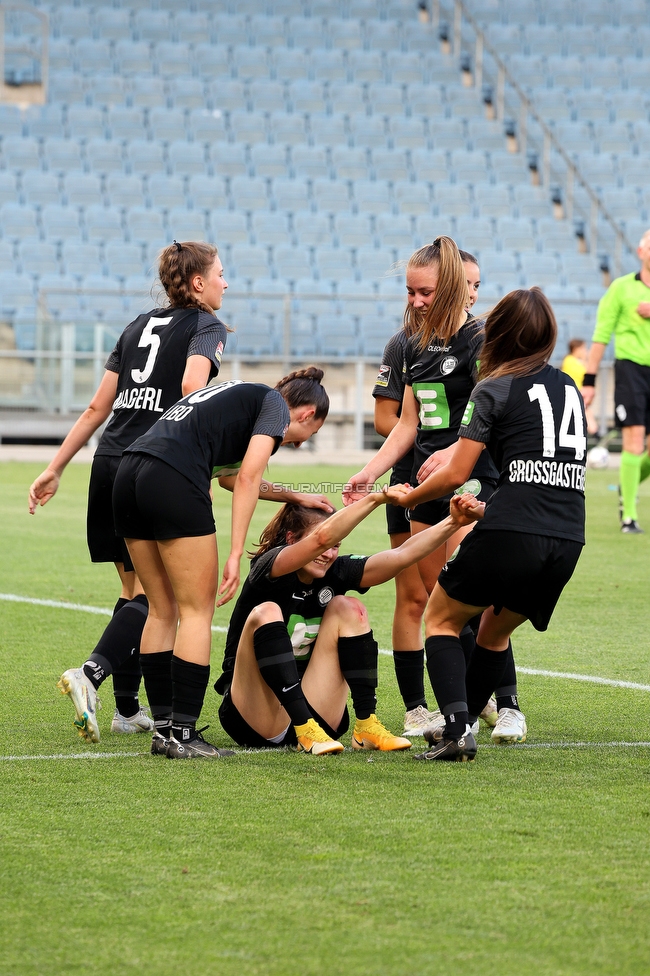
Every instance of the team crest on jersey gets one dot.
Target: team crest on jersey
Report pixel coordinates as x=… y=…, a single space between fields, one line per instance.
x=383 y=376
x=218 y=353
x=325 y=595
x=448 y=365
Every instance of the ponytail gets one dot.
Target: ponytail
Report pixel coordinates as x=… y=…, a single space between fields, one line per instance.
x=440 y=320
x=302 y=388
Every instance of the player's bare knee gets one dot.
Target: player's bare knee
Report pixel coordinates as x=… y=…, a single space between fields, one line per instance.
x=264 y=613
x=349 y=610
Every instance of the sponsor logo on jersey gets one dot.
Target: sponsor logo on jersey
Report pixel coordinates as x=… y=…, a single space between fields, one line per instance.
x=436 y=349
x=560 y=474
x=142 y=398
x=383 y=376
x=325 y=595
x=218 y=353
x=467 y=416
x=448 y=365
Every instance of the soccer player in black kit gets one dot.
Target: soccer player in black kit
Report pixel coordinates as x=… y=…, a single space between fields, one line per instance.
x=514 y=565
x=163 y=509
x=297 y=644
x=160 y=356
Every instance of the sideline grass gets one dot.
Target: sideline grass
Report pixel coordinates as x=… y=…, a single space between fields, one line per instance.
x=530 y=861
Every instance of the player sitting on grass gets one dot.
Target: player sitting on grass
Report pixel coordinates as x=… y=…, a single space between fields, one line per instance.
x=297 y=644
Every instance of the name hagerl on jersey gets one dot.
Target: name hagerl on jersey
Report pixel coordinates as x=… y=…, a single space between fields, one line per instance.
x=564 y=474
x=144 y=398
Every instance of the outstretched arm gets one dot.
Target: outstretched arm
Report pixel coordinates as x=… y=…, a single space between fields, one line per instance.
x=326 y=534
x=455 y=473
x=99 y=408
x=386 y=565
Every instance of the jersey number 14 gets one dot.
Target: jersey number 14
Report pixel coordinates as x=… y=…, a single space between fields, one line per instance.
x=572 y=417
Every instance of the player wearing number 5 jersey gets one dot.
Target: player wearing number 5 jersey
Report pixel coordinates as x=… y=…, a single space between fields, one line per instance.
x=161 y=356
x=516 y=562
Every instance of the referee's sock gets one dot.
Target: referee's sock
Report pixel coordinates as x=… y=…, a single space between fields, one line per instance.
x=506 y=693
x=645 y=466
x=446 y=667
x=358 y=661
x=189 y=682
x=157 y=674
x=409 y=671
x=485 y=673
x=277 y=664
x=119 y=642
x=630 y=478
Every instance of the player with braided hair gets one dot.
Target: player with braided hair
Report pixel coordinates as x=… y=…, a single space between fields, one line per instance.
x=163 y=510
x=162 y=355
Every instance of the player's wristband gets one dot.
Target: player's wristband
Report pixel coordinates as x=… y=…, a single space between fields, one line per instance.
x=589 y=379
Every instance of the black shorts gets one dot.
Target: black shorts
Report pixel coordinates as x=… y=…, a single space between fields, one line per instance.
x=241 y=732
x=397 y=519
x=430 y=513
x=152 y=500
x=522 y=572
x=631 y=394
x=104 y=545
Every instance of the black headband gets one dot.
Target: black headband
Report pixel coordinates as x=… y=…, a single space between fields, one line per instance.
x=436 y=243
x=179 y=247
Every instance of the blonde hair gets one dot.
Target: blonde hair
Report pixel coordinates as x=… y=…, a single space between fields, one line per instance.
x=177 y=265
x=441 y=318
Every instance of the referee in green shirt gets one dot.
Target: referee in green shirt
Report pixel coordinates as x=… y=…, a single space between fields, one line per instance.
x=624 y=311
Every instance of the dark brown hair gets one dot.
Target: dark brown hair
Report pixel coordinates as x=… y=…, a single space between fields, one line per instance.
x=575 y=344
x=441 y=318
x=467 y=258
x=289 y=518
x=177 y=265
x=302 y=388
x=520 y=335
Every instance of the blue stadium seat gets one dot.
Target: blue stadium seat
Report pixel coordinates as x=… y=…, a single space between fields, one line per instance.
x=187 y=157
x=373 y=263
x=231 y=158
x=167 y=124
x=106 y=89
x=123 y=190
x=471 y=233
x=60 y=51
x=8 y=188
x=41 y=121
x=330 y=64
x=345 y=97
x=328 y=130
x=37 y=257
x=60 y=223
x=163 y=191
x=352 y=230
x=21 y=152
x=366 y=66
x=80 y=258
x=372 y=196
x=82 y=189
x=386 y=99
x=105 y=155
x=412 y=198
x=516 y=234
x=40 y=188
x=123 y=259
x=231 y=28
x=309 y=161
x=331 y=195
x=207 y=192
x=249 y=62
x=333 y=262
x=11 y=121
x=350 y=163
x=346 y=34
x=187 y=225
x=555 y=235
x=145 y=226
x=368 y=130
x=67 y=86
x=267 y=161
x=269 y=31
x=146 y=91
x=532 y=201
x=92 y=56
x=306 y=96
x=249 y=261
x=113 y=23
x=305 y=31
x=172 y=59
x=291 y=262
x=390 y=164
x=153 y=25
x=103 y=223
x=186 y=92
x=248 y=127
x=211 y=61
x=266 y=95
x=395 y=230
x=249 y=193
x=125 y=122
x=207 y=125
x=71 y=22
x=17 y=221
x=338 y=335
x=491 y=199
x=145 y=156
x=228 y=227
x=291 y=194
x=312 y=228
x=270 y=227
x=61 y=155
x=287 y=127
x=404 y=70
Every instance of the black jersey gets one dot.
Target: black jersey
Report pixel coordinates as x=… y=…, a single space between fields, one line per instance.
x=208 y=431
x=442 y=378
x=150 y=358
x=390 y=384
x=302 y=604
x=535 y=429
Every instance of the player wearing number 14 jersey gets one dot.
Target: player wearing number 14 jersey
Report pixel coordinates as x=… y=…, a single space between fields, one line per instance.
x=514 y=565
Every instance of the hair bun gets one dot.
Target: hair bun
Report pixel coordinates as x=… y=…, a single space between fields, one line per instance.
x=314 y=373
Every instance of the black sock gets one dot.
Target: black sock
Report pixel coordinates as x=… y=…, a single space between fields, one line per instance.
x=484 y=674
x=468 y=642
x=157 y=674
x=446 y=667
x=119 y=642
x=277 y=664
x=189 y=682
x=126 y=677
x=358 y=661
x=409 y=671
x=506 y=693
x=122 y=602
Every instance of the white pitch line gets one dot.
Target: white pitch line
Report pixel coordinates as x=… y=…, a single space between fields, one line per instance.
x=13 y=598
x=247 y=752
x=591 y=679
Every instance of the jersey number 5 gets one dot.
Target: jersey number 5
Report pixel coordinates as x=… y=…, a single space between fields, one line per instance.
x=148 y=338
x=571 y=416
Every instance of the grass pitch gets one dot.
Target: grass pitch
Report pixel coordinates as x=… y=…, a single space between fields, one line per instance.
x=533 y=860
